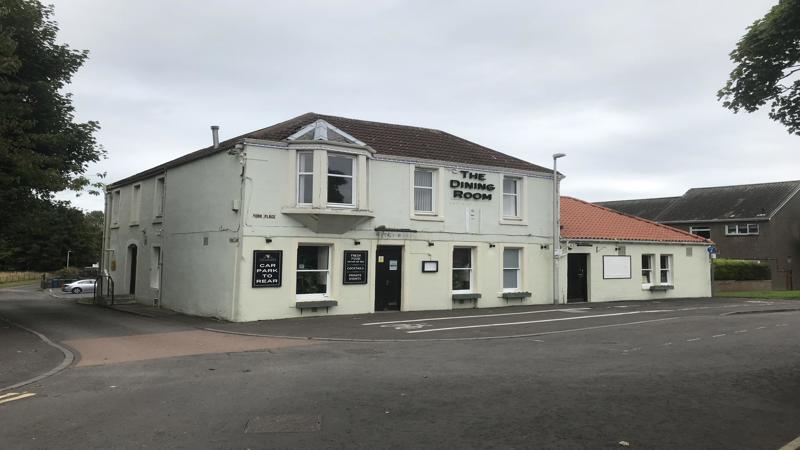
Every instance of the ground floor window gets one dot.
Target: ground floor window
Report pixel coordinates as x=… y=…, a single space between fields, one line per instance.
x=462 y=269
x=647 y=269
x=313 y=270
x=666 y=269
x=511 y=271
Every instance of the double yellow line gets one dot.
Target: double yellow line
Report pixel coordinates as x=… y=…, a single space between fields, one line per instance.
x=11 y=396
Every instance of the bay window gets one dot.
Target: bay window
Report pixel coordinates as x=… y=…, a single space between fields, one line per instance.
x=305 y=178
x=341 y=180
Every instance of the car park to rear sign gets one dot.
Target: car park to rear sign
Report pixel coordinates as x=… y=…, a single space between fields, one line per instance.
x=267 y=268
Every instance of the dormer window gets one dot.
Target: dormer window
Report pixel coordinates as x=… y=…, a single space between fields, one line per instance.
x=341 y=180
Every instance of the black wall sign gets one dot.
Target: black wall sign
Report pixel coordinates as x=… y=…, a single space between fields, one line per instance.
x=355 y=267
x=267 y=269
x=474 y=181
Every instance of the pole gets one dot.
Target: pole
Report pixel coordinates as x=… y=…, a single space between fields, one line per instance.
x=68 y=252
x=556 y=229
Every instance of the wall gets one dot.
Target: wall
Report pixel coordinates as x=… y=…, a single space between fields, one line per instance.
x=691 y=274
x=734 y=286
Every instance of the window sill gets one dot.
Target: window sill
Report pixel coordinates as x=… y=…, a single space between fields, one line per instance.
x=427 y=217
x=114 y=226
x=133 y=224
x=661 y=287
x=158 y=220
x=513 y=221
x=509 y=295
x=466 y=296
x=303 y=304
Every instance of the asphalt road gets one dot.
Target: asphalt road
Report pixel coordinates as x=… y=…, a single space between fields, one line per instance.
x=700 y=378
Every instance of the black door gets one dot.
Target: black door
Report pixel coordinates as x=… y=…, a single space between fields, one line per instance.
x=132 y=257
x=388 y=278
x=576 y=277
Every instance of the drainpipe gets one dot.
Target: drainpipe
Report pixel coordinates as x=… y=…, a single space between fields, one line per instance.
x=556 y=229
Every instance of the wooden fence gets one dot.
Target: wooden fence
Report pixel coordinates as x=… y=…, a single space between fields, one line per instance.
x=6 y=277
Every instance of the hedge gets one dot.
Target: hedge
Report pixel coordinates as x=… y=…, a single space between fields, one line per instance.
x=740 y=270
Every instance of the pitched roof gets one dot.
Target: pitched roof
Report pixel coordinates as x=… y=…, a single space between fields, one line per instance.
x=739 y=202
x=582 y=220
x=648 y=208
x=384 y=138
x=746 y=201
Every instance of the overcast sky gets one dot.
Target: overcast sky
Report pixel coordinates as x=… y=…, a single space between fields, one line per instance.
x=626 y=88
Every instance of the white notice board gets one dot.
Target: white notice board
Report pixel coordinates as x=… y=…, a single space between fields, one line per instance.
x=616 y=267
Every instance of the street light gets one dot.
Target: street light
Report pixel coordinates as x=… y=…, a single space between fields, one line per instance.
x=68 y=252
x=556 y=228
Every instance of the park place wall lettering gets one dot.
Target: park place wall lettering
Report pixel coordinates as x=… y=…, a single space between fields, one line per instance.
x=471 y=180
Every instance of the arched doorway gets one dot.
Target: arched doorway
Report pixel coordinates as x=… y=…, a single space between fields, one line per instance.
x=132 y=260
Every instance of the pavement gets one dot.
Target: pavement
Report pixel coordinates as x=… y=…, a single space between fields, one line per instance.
x=698 y=374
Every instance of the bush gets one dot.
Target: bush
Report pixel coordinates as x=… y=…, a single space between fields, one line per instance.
x=740 y=270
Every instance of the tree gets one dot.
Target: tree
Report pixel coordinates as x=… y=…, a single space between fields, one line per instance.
x=42 y=149
x=767 y=64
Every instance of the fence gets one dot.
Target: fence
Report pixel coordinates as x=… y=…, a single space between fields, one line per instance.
x=8 y=277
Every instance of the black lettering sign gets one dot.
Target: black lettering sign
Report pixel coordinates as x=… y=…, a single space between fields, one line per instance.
x=355 y=267
x=477 y=182
x=267 y=269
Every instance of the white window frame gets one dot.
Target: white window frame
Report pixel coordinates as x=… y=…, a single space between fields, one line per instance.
x=353 y=177
x=116 y=201
x=319 y=295
x=517 y=197
x=471 y=270
x=667 y=270
x=432 y=189
x=136 y=203
x=518 y=270
x=694 y=230
x=302 y=174
x=742 y=229
x=650 y=270
x=159 y=197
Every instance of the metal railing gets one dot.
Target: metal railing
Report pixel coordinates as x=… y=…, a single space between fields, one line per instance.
x=102 y=285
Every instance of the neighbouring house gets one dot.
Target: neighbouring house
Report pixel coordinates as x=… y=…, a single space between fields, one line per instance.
x=752 y=221
x=614 y=256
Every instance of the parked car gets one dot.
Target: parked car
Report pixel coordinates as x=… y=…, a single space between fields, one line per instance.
x=77 y=287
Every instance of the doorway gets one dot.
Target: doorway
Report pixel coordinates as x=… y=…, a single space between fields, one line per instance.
x=577 y=271
x=388 y=277
x=132 y=258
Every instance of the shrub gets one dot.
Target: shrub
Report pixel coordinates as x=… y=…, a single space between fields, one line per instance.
x=740 y=270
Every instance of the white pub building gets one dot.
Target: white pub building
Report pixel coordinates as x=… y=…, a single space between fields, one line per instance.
x=328 y=215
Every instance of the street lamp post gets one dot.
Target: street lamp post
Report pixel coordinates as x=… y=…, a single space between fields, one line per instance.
x=556 y=229
x=68 y=252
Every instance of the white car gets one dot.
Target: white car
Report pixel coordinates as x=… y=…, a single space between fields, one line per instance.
x=80 y=286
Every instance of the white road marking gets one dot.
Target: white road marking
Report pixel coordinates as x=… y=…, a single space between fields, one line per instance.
x=719 y=335
x=794 y=445
x=760 y=328
x=10 y=397
x=782 y=325
x=573 y=310
x=740 y=331
x=405 y=326
x=692 y=340
x=527 y=322
x=667 y=343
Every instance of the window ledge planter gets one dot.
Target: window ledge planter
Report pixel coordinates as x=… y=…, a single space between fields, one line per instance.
x=661 y=287
x=314 y=304
x=515 y=295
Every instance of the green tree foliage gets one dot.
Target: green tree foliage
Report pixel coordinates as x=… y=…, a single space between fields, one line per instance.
x=46 y=230
x=767 y=64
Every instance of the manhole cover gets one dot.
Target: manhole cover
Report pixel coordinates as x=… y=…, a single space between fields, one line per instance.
x=284 y=423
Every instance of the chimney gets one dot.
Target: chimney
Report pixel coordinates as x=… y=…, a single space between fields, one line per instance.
x=215 y=135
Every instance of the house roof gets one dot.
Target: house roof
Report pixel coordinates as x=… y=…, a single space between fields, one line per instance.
x=722 y=203
x=648 y=208
x=582 y=220
x=384 y=138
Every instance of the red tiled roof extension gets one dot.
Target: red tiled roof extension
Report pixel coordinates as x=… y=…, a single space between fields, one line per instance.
x=584 y=220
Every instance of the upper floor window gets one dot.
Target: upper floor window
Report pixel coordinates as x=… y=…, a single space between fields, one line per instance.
x=158 y=201
x=136 y=202
x=115 y=201
x=462 y=269
x=424 y=195
x=666 y=269
x=511 y=197
x=341 y=180
x=305 y=178
x=741 y=229
x=511 y=272
x=701 y=231
x=647 y=269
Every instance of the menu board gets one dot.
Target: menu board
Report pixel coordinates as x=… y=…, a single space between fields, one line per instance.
x=355 y=267
x=267 y=268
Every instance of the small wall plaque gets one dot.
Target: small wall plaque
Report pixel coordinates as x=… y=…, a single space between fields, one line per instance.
x=430 y=266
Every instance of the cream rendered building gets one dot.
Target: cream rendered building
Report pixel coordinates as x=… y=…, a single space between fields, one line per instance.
x=326 y=215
